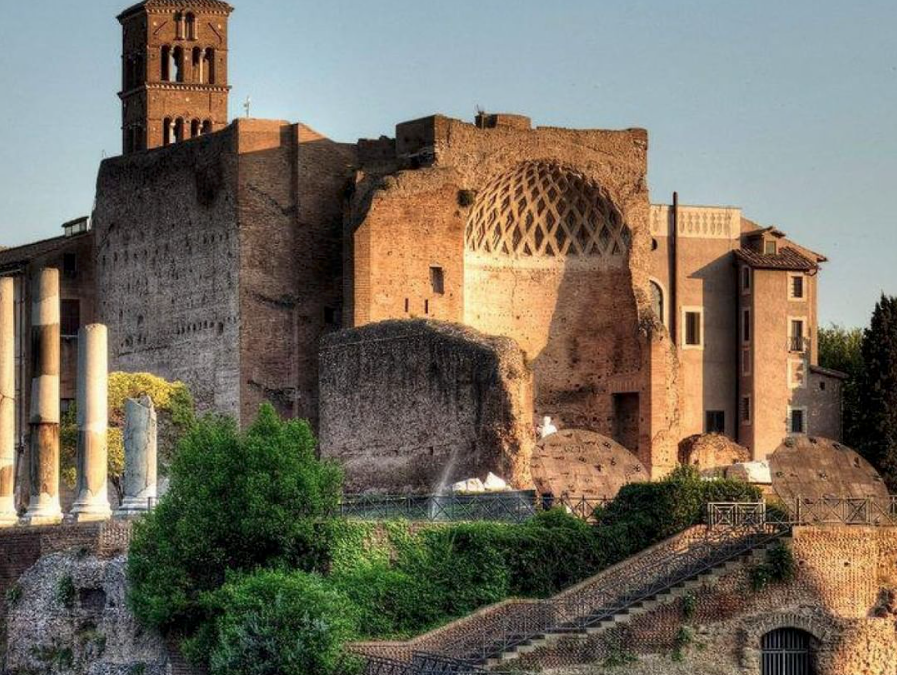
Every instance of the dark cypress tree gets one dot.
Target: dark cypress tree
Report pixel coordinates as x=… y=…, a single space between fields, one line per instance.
x=879 y=390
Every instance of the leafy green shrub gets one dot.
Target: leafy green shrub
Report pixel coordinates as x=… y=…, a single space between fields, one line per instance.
x=779 y=567
x=65 y=591
x=651 y=512
x=682 y=642
x=689 y=606
x=237 y=501
x=289 y=623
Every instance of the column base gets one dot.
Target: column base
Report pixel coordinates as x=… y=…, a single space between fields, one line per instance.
x=91 y=515
x=132 y=507
x=8 y=515
x=43 y=510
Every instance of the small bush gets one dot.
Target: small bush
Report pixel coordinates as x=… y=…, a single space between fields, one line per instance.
x=779 y=567
x=682 y=642
x=65 y=592
x=689 y=606
x=289 y=623
x=13 y=595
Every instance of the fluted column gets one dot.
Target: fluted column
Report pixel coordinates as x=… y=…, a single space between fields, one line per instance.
x=7 y=403
x=140 y=457
x=43 y=507
x=92 y=498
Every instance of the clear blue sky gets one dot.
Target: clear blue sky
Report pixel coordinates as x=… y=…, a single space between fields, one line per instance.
x=787 y=109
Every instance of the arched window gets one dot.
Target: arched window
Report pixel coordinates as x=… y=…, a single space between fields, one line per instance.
x=209 y=64
x=179 y=130
x=179 y=22
x=787 y=651
x=167 y=131
x=178 y=64
x=191 y=26
x=195 y=129
x=198 y=70
x=165 y=62
x=657 y=302
x=207 y=127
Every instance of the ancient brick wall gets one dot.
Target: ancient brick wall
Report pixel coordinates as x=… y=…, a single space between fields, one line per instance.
x=167 y=265
x=407 y=405
x=290 y=195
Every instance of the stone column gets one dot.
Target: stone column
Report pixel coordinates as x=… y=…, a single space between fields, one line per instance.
x=43 y=508
x=7 y=403
x=140 y=457
x=92 y=498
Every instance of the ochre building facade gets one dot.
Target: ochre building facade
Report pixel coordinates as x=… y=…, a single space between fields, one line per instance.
x=225 y=253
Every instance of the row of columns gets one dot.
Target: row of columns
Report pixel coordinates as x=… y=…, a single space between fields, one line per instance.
x=91 y=497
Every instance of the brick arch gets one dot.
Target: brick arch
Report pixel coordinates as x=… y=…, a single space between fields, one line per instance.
x=823 y=630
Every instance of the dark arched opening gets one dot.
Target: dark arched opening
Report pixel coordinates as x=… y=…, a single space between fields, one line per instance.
x=787 y=651
x=195 y=129
x=657 y=302
x=209 y=65
x=165 y=63
x=178 y=64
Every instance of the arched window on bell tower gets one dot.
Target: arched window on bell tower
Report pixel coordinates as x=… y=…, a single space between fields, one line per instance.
x=179 y=22
x=165 y=64
x=195 y=129
x=198 y=66
x=178 y=64
x=209 y=65
x=191 y=26
x=167 y=131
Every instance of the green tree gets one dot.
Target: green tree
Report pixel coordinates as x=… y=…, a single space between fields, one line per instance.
x=841 y=349
x=879 y=390
x=237 y=501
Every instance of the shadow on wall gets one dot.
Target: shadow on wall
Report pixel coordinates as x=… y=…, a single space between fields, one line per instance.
x=547 y=263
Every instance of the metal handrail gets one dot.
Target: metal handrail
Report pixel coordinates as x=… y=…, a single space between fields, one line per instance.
x=593 y=605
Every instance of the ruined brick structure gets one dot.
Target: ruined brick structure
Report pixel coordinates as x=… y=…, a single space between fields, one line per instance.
x=224 y=259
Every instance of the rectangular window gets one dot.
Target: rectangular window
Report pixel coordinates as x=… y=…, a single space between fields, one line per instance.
x=745 y=278
x=437 y=280
x=70 y=265
x=745 y=411
x=796 y=336
x=716 y=422
x=770 y=248
x=693 y=327
x=746 y=362
x=796 y=287
x=70 y=318
x=746 y=326
x=797 y=422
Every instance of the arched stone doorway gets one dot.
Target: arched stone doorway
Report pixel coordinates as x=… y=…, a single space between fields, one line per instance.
x=787 y=651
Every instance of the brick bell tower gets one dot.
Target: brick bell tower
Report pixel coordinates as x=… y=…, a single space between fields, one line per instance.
x=174 y=71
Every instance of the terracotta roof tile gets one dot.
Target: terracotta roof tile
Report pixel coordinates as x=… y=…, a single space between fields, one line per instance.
x=786 y=259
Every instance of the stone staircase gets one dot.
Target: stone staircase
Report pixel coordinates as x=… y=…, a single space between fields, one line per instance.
x=601 y=621
x=615 y=596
